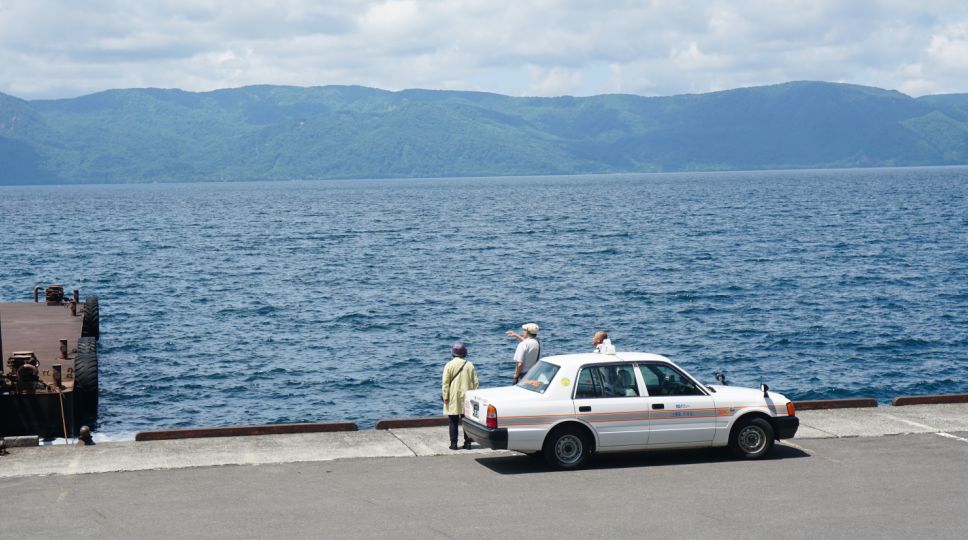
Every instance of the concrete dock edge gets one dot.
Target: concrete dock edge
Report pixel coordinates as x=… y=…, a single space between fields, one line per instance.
x=929 y=400
x=818 y=404
x=243 y=431
x=400 y=423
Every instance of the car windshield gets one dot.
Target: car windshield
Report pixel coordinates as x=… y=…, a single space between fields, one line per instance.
x=539 y=377
x=663 y=380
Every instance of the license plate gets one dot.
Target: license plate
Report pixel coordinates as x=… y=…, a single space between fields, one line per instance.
x=475 y=406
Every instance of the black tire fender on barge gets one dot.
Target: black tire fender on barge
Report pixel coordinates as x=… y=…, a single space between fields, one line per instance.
x=85 y=382
x=91 y=325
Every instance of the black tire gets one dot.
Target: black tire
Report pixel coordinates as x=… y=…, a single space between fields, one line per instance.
x=567 y=447
x=91 y=325
x=751 y=438
x=85 y=383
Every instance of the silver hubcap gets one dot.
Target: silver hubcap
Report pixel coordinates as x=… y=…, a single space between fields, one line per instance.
x=752 y=439
x=568 y=449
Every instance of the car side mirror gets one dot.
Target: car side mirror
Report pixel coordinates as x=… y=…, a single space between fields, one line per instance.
x=764 y=389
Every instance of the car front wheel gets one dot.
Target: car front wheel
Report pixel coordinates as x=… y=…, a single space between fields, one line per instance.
x=567 y=448
x=751 y=439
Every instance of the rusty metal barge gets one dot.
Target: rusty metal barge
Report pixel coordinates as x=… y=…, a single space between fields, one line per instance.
x=49 y=375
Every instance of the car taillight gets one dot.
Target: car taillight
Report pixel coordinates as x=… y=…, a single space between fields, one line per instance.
x=491 y=417
x=790 y=410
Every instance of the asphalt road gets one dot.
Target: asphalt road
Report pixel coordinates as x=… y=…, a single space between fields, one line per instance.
x=879 y=487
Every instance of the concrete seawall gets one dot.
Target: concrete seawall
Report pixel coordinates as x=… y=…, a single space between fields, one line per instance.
x=942 y=419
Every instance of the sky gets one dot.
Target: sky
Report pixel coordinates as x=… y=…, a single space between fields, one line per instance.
x=59 y=48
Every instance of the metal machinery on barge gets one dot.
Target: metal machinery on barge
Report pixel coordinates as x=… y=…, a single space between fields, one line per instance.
x=49 y=379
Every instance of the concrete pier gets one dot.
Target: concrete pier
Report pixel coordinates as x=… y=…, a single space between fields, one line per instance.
x=886 y=472
x=413 y=442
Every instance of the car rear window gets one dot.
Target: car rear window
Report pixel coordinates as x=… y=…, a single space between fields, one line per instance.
x=539 y=377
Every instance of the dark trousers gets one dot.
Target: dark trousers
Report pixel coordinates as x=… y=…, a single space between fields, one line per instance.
x=454 y=421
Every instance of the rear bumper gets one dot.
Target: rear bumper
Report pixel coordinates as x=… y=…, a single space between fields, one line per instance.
x=785 y=427
x=494 y=438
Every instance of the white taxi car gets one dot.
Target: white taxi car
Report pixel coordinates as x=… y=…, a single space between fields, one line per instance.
x=569 y=406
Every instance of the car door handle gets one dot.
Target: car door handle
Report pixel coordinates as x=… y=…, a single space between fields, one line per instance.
x=658 y=405
x=585 y=408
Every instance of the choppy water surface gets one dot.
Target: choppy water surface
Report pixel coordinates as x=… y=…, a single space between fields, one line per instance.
x=311 y=301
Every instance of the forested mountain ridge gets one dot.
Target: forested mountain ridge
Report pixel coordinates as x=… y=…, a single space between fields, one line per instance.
x=278 y=132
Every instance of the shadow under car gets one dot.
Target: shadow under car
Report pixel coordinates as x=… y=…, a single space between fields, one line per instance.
x=530 y=464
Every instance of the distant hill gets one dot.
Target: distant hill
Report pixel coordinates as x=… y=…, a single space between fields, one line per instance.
x=278 y=132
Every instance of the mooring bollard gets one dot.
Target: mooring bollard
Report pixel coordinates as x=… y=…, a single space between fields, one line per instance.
x=84 y=437
x=58 y=377
x=55 y=295
x=63 y=349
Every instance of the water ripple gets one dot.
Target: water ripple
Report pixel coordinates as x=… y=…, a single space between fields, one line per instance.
x=316 y=301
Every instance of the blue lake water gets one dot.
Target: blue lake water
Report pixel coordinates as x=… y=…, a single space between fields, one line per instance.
x=312 y=301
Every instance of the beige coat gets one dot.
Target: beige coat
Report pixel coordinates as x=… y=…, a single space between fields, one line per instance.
x=453 y=389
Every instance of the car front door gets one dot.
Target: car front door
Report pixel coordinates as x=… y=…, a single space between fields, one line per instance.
x=681 y=412
x=609 y=398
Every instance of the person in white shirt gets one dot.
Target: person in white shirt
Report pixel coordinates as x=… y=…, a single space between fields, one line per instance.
x=602 y=343
x=528 y=351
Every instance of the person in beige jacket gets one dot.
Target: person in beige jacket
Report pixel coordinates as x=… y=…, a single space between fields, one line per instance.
x=459 y=377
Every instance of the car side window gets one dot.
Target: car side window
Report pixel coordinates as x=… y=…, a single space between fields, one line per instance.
x=663 y=380
x=588 y=386
x=606 y=381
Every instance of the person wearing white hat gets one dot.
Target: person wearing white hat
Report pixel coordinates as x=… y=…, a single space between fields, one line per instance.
x=528 y=351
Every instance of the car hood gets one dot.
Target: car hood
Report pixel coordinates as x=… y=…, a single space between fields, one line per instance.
x=740 y=392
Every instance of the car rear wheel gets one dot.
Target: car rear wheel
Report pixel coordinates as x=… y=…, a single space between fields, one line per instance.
x=567 y=447
x=751 y=439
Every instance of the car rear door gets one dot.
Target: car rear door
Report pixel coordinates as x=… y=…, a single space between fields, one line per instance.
x=681 y=411
x=609 y=398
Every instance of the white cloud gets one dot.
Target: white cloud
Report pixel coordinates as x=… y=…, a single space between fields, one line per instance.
x=58 y=48
x=555 y=81
x=692 y=59
x=949 y=47
x=396 y=17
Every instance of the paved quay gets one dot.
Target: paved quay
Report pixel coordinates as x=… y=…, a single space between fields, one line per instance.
x=887 y=472
x=940 y=420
